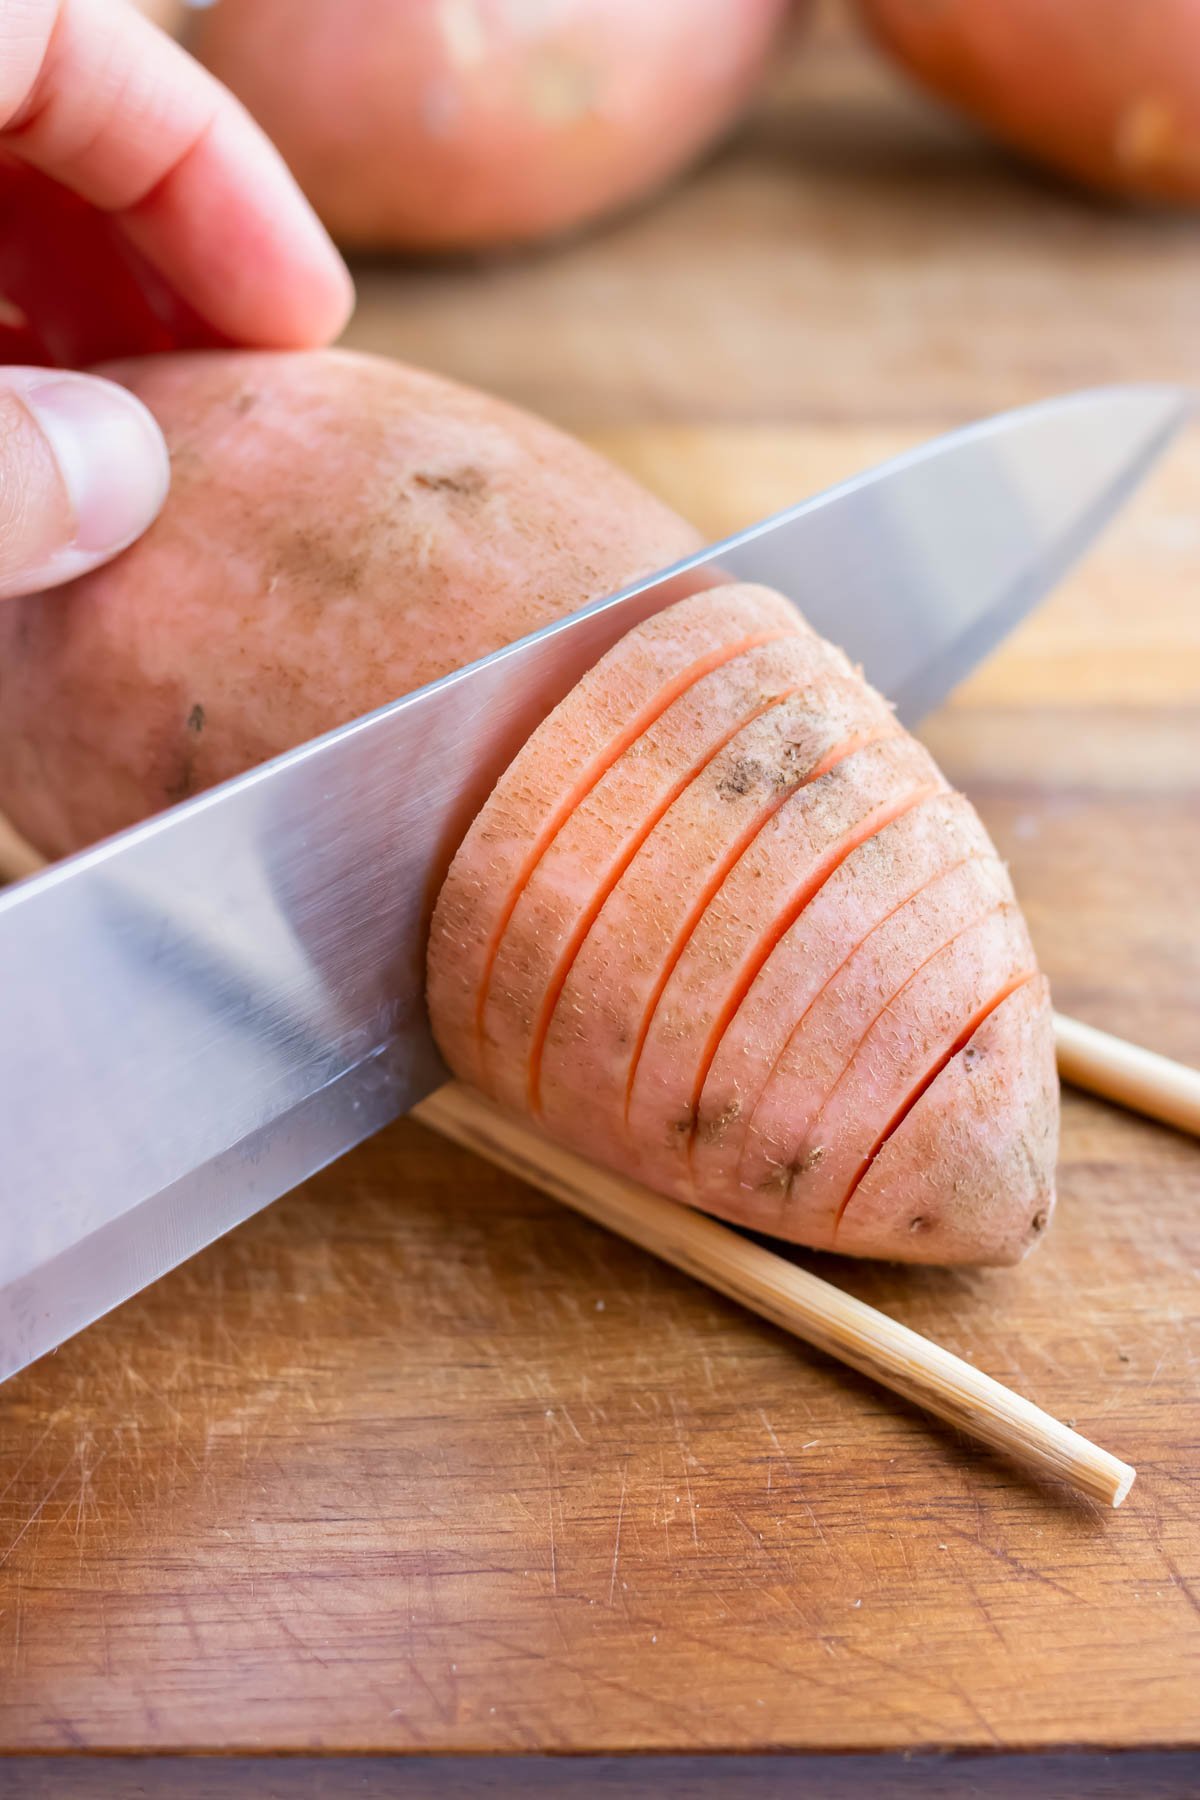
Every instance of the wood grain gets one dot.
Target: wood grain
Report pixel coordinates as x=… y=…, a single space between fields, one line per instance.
x=417 y=1463
x=777 y=1289
x=385 y=1430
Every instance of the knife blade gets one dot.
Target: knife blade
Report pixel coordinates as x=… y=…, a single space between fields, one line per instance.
x=205 y=1010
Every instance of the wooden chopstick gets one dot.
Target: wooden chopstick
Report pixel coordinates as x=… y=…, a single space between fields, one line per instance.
x=1139 y=1079
x=790 y=1297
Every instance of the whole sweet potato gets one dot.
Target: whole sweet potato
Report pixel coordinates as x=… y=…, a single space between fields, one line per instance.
x=459 y=124
x=1107 y=91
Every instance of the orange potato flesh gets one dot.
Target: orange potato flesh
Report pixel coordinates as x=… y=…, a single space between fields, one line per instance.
x=765 y=891
x=610 y=1001
x=793 y=909
x=881 y=876
x=789 y=1118
x=871 y=1044
x=562 y=898
x=963 y=1178
x=610 y=710
x=684 y=859
x=962 y=1039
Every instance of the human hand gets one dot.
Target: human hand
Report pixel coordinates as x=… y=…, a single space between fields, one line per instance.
x=140 y=210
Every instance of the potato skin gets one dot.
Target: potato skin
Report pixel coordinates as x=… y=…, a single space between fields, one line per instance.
x=461 y=124
x=340 y=530
x=1106 y=91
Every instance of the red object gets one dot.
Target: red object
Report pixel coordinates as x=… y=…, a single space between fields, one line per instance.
x=73 y=291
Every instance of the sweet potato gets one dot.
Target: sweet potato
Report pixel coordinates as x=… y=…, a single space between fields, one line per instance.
x=914 y=852
x=966 y=1166
x=833 y=1097
x=459 y=124
x=611 y=763
x=673 y=868
x=721 y=914
x=340 y=530
x=1107 y=91
x=758 y=954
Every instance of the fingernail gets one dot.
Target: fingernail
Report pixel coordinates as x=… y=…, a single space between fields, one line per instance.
x=110 y=453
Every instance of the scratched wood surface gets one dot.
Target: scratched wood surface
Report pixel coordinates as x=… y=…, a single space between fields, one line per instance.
x=418 y=1463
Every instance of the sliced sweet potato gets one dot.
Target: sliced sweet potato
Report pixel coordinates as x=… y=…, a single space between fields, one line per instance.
x=738 y=921
x=744 y=927
x=965 y=1175
x=607 y=712
x=762 y=789
x=871 y=1043
x=751 y=698
x=881 y=876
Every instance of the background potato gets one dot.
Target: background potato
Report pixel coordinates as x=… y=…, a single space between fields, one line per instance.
x=1104 y=90
x=454 y=124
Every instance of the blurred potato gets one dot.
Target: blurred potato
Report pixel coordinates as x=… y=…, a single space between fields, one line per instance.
x=460 y=124
x=1106 y=91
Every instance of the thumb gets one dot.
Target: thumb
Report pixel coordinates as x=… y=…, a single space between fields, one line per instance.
x=83 y=471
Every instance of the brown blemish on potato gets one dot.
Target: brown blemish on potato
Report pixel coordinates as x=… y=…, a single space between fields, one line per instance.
x=786 y=768
x=712 y=1129
x=794 y=765
x=785 y=1175
x=181 y=756
x=743 y=774
x=244 y=402
x=319 y=560
x=187 y=464
x=467 y=483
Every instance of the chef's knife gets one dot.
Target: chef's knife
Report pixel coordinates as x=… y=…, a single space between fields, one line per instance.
x=206 y=1009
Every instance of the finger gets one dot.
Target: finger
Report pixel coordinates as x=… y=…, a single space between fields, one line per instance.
x=100 y=99
x=83 y=471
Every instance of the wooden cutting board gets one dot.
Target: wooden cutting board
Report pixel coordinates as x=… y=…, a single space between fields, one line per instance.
x=417 y=1465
